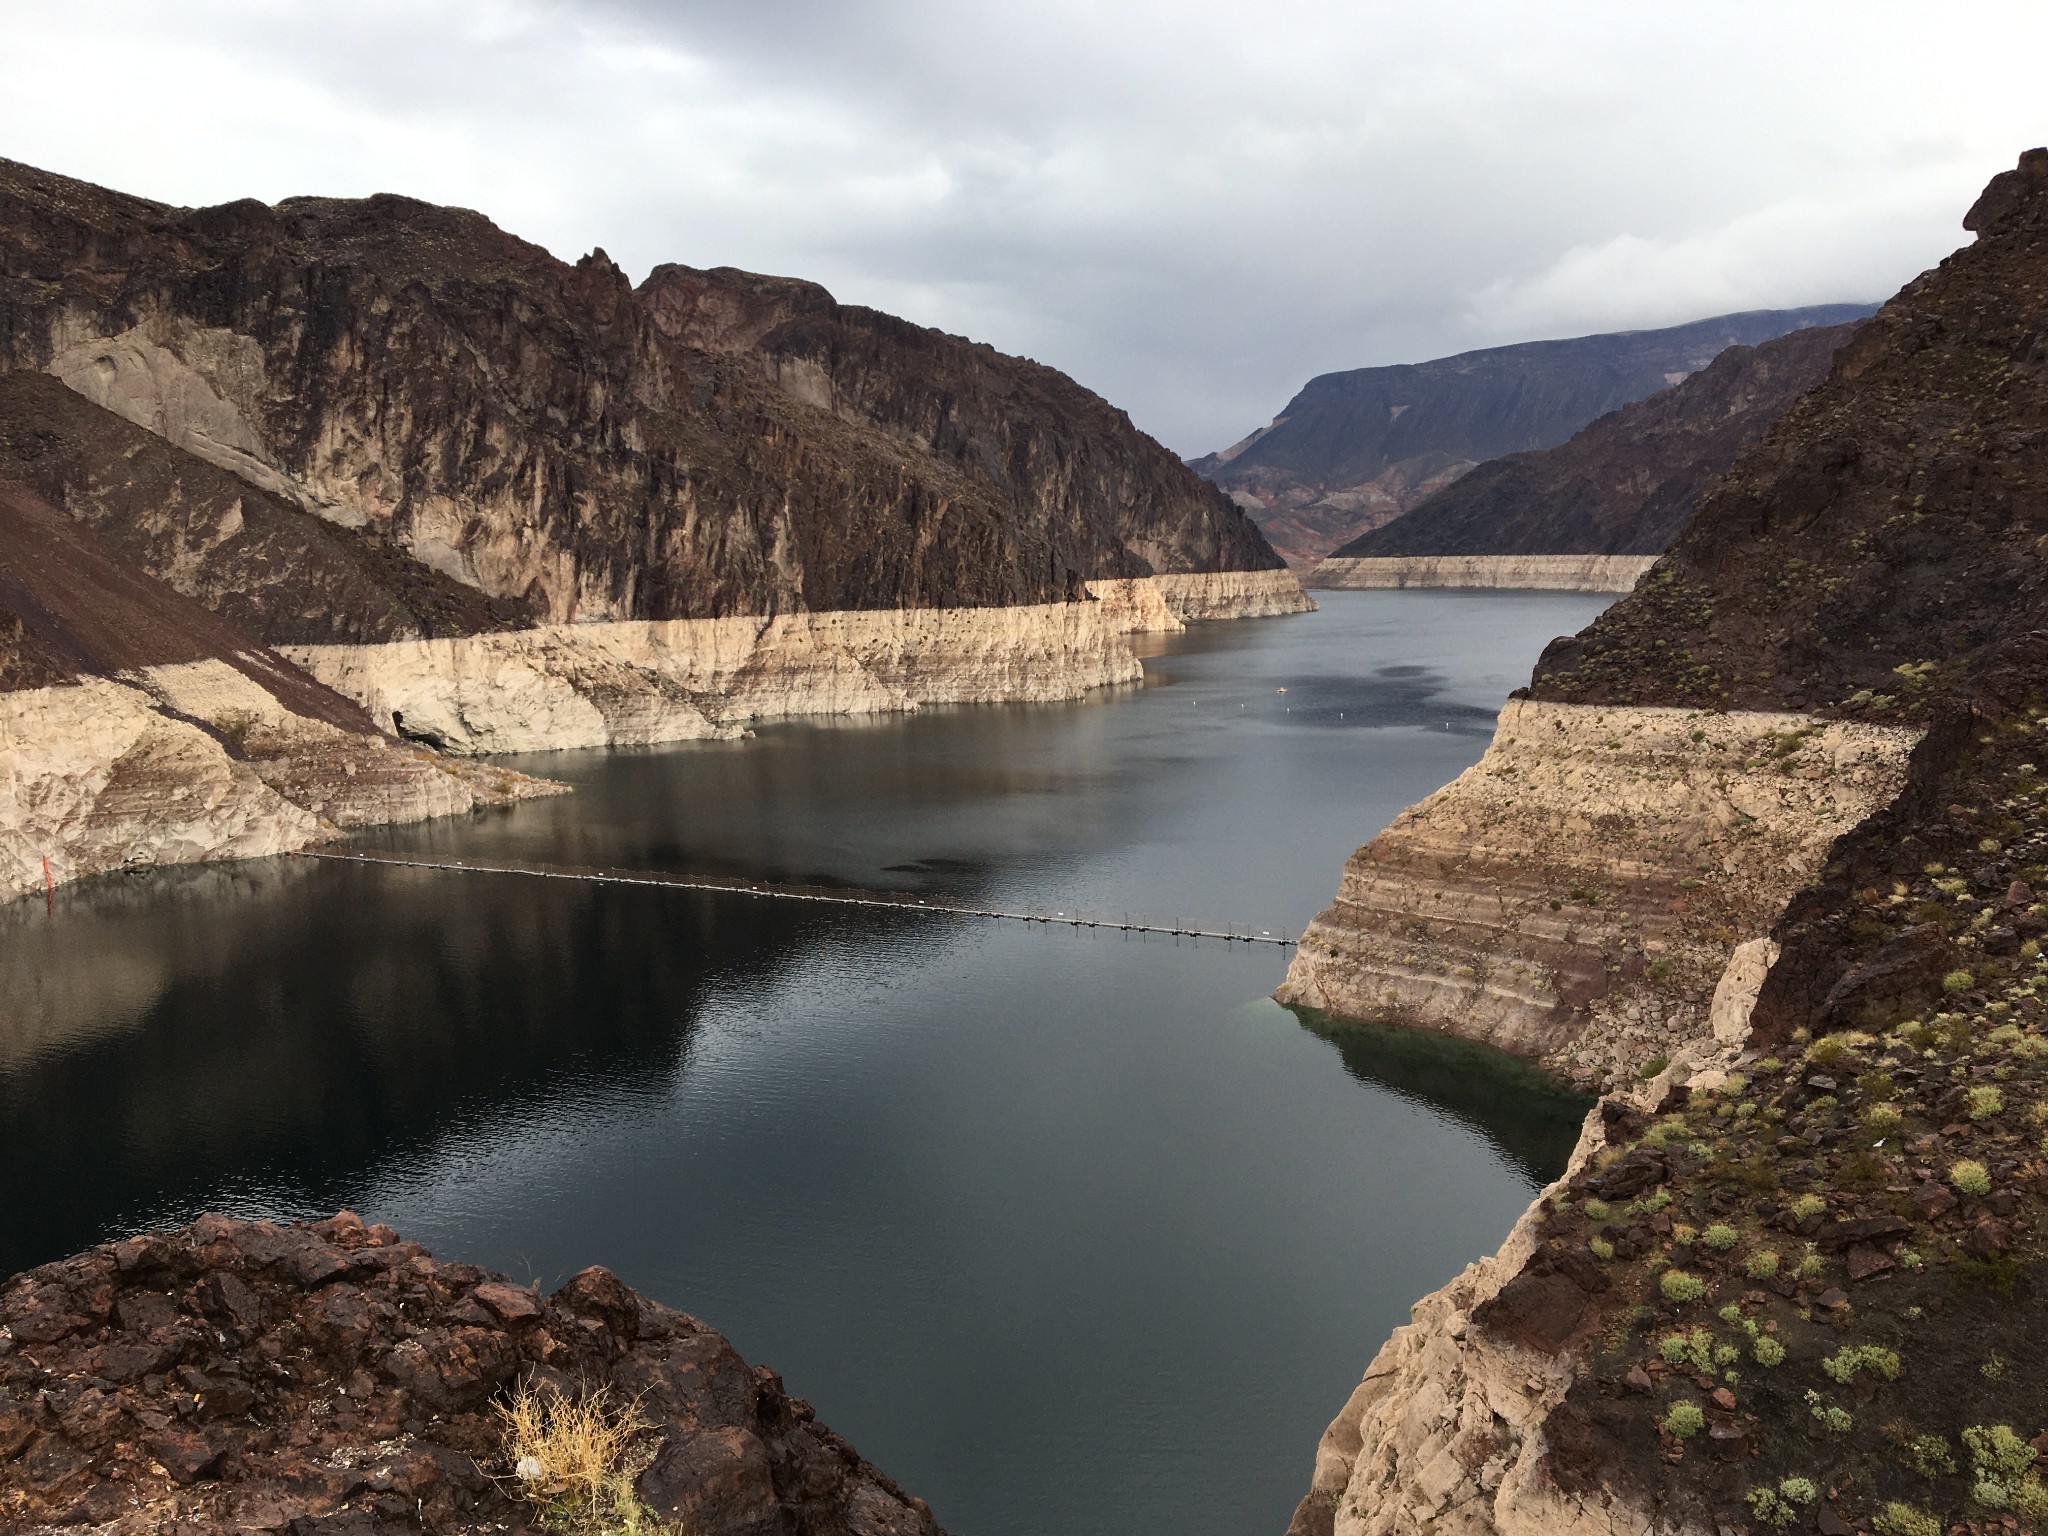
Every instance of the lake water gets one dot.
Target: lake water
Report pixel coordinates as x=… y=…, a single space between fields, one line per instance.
x=1067 y=1232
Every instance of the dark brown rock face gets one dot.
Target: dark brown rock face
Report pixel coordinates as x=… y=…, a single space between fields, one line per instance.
x=528 y=428
x=1354 y=450
x=239 y=1376
x=1624 y=485
x=1054 y=451
x=1877 y=551
x=278 y=574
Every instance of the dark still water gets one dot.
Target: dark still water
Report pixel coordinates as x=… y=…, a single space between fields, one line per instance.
x=1068 y=1233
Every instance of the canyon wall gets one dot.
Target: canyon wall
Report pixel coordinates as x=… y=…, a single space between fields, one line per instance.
x=1542 y=573
x=1778 y=811
x=576 y=449
x=1575 y=895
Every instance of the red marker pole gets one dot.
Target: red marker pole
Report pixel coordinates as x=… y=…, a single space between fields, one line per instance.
x=49 y=887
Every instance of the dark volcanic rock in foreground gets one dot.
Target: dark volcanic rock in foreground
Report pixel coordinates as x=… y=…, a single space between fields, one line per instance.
x=1624 y=485
x=330 y=1378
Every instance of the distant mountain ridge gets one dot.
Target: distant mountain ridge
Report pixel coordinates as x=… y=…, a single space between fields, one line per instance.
x=1353 y=450
x=1624 y=485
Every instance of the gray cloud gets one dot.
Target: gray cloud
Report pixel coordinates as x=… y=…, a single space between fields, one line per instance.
x=1190 y=206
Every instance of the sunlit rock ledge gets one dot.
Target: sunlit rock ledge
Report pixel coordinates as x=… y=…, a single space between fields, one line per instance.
x=639 y=682
x=1575 y=895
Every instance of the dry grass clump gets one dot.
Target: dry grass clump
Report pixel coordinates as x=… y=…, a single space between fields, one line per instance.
x=575 y=1460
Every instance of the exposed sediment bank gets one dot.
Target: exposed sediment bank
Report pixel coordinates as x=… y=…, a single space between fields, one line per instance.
x=1575 y=895
x=194 y=761
x=640 y=682
x=1544 y=573
x=175 y=764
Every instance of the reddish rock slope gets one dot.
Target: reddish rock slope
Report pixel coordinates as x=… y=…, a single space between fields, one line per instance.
x=331 y=1380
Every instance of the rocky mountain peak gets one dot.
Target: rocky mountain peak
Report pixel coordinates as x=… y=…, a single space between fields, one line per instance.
x=2015 y=198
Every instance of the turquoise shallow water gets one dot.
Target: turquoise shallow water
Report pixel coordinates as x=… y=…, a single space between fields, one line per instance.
x=1069 y=1233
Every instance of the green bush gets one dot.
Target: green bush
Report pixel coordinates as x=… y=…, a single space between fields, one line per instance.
x=1761 y=1265
x=1600 y=1248
x=1685 y=1420
x=1882 y=1118
x=1678 y=1286
x=1970 y=1176
x=1929 y=1456
x=1958 y=981
x=1720 y=1237
x=1597 y=1210
x=1768 y=1351
x=1846 y=1364
x=1836 y=1421
x=1898 y=1519
x=1807 y=1206
x=1983 y=1102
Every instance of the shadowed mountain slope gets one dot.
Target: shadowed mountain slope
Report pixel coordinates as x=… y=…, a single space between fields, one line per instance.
x=1624 y=485
x=1356 y=449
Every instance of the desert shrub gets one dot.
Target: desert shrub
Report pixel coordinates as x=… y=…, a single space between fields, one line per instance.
x=1810 y=1264
x=1597 y=1210
x=1761 y=1265
x=1678 y=1286
x=1778 y=1507
x=1929 y=1456
x=1836 y=1421
x=1600 y=1248
x=571 y=1459
x=1981 y=1103
x=1768 y=1351
x=1882 y=1118
x=1970 y=1176
x=1958 y=981
x=1685 y=1420
x=1695 y=1349
x=1684 y=1233
x=1897 y=1519
x=1846 y=1364
x=1720 y=1237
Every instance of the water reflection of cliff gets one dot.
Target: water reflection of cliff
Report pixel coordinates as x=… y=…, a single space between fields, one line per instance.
x=1533 y=1119
x=278 y=1027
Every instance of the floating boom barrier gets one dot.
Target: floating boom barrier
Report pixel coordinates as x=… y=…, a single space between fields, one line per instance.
x=832 y=895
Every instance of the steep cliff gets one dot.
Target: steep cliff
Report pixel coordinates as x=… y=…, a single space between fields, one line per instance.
x=238 y=1376
x=1789 y=1285
x=547 y=436
x=1354 y=450
x=1625 y=484
x=137 y=727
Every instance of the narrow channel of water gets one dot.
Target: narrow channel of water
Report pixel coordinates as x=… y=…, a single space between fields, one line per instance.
x=1066 y=1232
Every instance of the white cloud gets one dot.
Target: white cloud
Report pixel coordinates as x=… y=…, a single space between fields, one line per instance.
x=1192 y=206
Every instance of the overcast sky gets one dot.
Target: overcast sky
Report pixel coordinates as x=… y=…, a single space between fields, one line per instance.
x=1192 y=206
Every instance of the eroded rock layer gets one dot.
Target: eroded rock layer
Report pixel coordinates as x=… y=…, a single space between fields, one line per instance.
x=1542 y=573
x=629 y=683
x=1795 y=1298
x=239 y=1376
x=1575 y=895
